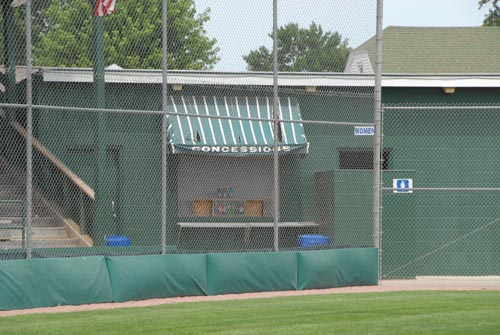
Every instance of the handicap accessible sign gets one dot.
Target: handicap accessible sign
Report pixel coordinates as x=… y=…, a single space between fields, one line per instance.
x=402 y=185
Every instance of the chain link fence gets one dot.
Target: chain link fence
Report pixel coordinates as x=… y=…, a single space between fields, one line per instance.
x=173 y=127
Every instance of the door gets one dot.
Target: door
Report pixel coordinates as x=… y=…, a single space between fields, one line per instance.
x=81 y=160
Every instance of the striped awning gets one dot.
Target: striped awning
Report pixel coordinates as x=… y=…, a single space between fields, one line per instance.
x=234 y=126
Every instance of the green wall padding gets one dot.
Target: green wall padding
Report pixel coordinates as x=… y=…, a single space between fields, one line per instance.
x=251 y=272
x=337 y=268
x=159 y=276
x=50 y=282
x=84 y=280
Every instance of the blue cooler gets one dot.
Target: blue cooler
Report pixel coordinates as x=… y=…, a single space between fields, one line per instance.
x=117 y=241
x=306 y=241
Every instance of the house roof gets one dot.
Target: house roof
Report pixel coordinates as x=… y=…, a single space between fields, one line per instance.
x=441 y=50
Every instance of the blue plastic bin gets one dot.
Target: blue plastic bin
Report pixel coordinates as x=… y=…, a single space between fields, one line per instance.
x=306 y=241
x=117 y=241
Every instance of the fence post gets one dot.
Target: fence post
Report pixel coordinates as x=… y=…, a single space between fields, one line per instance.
x=276 y=124
x=377 y=141
x=29 y=133
x=100 y=90
x=164 y=131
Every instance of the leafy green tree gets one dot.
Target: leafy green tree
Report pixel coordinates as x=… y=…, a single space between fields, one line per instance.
x=19 y=38
x=18 y=18
x=132 y=35
x=493 y=16
x=302 y=49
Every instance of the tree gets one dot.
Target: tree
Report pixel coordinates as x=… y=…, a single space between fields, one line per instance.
x=133 y=35
x=493 y=17
x=19 y=46
x=302 y=49
x=18 y=16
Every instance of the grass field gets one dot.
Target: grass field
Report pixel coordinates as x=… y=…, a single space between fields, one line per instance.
x=423 y=312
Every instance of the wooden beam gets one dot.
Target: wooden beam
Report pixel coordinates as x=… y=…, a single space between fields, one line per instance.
x=86 y=189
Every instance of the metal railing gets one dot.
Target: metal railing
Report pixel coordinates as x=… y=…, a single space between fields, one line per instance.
x=6 y=224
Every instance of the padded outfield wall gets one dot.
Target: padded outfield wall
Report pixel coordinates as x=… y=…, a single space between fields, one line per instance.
x=96 y=279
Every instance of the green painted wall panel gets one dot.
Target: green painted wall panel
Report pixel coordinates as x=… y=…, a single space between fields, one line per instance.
x=446 y=148
x=353 y=214
x=337 y=268
x=50 y=282
x=399 y=227
x=137 y=138
x=251 y=272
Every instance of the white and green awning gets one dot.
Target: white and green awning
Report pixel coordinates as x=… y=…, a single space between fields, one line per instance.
x=204 y=125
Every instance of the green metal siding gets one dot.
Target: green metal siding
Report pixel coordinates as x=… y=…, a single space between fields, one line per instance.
x=448 y=232
x=138 y=137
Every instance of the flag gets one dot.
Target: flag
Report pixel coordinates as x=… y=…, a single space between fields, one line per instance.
x=104 y=7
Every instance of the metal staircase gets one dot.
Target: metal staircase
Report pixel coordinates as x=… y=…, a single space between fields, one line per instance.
x=48 y=226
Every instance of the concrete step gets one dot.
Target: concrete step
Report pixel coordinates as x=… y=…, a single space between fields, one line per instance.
x=11 y=210
x=41 y=221
x=14 y=210
x=17 y=192
x=53 y=233
x=8 y=179
x=59 y=243
x=14 y=192
x=12 y=179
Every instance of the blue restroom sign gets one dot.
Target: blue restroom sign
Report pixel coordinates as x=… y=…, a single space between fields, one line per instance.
x=402 y=185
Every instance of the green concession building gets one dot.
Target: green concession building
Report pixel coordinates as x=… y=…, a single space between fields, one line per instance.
x=220 y=170
x=440 y=132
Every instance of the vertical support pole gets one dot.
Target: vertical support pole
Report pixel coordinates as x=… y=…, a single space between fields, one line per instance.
x=276 y=124
x=66 y=195
x=99 y=86
x=29 y=134
x=9 y=33
x=82 y=217
x=377 y=150
x=164 y=131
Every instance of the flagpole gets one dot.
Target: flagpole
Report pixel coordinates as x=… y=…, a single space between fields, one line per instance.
x=164 y=94
x=100 y=91
x=9 y=33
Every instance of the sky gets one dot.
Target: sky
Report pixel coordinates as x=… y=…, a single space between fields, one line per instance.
x=244 y=25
